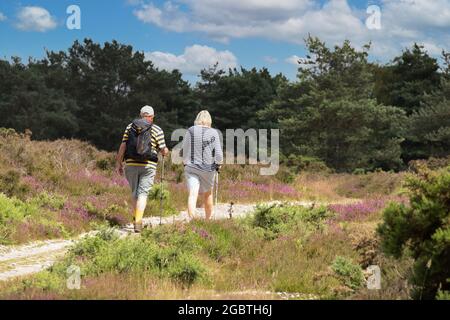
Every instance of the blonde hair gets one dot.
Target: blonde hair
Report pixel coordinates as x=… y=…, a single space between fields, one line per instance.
x=203 y=119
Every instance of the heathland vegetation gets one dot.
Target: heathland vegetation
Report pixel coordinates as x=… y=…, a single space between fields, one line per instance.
x=368 y=144
x=63 y=188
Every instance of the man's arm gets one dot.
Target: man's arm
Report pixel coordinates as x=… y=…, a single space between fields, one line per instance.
x=162 y=144
x=164 y=151
x=119 y=158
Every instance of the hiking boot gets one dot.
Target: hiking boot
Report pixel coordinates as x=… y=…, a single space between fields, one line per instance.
x=138 y=226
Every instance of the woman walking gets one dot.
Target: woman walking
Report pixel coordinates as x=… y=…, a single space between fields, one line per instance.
x=202 y=158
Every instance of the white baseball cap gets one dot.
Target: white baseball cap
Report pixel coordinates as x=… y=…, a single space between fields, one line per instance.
x=147 y=111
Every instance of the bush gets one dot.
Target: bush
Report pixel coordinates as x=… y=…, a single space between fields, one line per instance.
x=422 y=230
x=34 y=218
x=46 y=281
x=300 y=163
x=106 y=253
x=154 y=203
x=277 y=219
x=186 y=270
x=49 y=200
x=113 y=215
x=443 y=295
x=12 y=209
x=349 y=273
x=105 y=163
x=11 y=185
x=431 y=163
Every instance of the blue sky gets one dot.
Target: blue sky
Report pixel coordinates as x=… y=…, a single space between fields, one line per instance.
x=191 y=34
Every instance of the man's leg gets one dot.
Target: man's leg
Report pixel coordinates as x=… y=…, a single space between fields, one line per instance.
x=132 y=175
x=141 y=203
x=133 y=204
x=146 y=178
x=209 y=204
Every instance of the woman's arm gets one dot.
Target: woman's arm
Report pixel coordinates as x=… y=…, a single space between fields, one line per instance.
x=187 y=148
x=218 y=149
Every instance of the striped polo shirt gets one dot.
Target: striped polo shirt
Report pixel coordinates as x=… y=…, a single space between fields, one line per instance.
x=158 y=143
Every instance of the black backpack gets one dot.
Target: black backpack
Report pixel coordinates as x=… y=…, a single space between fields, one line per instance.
x=139 y=144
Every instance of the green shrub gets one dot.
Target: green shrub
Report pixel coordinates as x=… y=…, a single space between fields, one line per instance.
x=49 y=200
x=431 y=163
x=11 y=185
x=106 y=253
x=349 y=273
x=359 y=171
x=443 y=295
x=422 y=230
x=186 y=270
x=286 y=175
x=46 y=281
x=13 y=209
x=277 y=219
x=38 y=213
x=154 y=204
x=217 y=240
x=300 y=163
x=105 y=163
x=157 y=192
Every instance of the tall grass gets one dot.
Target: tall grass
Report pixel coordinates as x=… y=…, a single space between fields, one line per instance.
x=278 y=249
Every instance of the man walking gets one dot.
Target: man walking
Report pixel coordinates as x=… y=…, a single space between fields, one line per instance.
x=141 y=143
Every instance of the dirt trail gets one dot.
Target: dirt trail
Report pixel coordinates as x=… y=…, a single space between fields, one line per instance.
x=17 y=261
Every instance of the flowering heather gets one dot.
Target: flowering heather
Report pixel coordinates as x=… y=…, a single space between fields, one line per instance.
x=356 y=211
x=97 y=201
x=202 y=233
x=33 y=230
x=72 y=211
x=33 y=183
x=74 y=217
x=119 y=181
x=96 y=178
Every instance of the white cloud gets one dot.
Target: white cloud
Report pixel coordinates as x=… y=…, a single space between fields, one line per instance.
x=403 y=22
x=193 y=60
x=2 y=17
x=35 y=19
x=418 y=14
x=293 y=60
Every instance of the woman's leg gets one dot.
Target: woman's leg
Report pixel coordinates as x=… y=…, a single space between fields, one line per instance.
x=209 y=204
x=193 y=184
x=192 y=201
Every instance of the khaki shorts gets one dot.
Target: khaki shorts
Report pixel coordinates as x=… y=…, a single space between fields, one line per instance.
x=140 y=180
x=199 y=179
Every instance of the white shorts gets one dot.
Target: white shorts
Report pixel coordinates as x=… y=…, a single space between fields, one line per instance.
x=200 y=180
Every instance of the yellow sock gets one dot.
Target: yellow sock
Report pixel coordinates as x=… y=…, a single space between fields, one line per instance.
x=138 y=214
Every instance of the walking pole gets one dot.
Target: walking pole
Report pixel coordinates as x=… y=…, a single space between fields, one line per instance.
x=216 y=193
x=161 y=190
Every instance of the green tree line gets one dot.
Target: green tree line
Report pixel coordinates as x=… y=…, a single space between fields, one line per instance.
x=343 y=109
